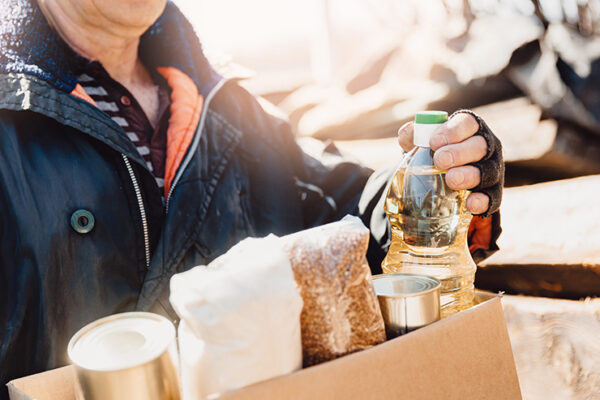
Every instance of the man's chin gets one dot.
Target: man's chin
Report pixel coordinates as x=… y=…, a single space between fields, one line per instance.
x=131 y=13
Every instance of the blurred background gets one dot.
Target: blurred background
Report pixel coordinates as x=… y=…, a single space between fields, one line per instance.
x=358 y=69
x=353 y=71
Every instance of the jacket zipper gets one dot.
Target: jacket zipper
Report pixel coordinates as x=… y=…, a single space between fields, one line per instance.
x=184 y=164
x=140 y=200
x=196 y=140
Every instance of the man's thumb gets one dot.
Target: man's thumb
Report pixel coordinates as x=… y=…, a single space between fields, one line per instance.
x=405 y=136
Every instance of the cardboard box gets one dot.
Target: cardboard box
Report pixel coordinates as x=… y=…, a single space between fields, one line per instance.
x=466 y=356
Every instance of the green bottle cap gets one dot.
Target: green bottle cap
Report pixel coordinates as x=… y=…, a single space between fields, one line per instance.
x=431 y=117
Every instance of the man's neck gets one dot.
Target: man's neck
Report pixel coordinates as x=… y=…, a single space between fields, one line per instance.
x=114 y=46
x=92 y=35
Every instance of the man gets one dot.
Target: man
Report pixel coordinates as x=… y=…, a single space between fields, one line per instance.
x=125 y=158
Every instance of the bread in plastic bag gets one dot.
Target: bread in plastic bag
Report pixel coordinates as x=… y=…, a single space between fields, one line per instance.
x=240 y=319
x=341 y=313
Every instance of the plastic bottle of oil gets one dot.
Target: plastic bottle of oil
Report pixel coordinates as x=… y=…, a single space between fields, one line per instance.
x=430 y=221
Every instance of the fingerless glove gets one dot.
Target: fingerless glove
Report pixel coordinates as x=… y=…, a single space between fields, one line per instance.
x=491 y=166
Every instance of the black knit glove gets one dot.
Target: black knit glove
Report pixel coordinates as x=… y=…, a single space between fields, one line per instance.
x=491 y=167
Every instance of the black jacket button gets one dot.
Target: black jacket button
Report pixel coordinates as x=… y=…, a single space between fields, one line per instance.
x=82 y=221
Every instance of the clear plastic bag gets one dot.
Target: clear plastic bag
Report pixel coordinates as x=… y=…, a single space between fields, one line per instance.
x=341 y=313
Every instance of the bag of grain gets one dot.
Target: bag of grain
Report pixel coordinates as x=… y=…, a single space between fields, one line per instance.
x=341 y=313
x=240 y=319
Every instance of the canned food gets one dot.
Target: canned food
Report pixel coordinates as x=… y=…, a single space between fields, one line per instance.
x=126 y=356
x=407 y=301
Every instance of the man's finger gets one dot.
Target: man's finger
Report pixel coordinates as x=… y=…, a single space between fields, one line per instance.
x=478 y=203
x=405 y=136
x=458 y=128
x=455 y=155
x=466 y=177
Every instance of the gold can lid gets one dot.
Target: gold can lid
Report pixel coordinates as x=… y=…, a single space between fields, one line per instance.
x=121 y=341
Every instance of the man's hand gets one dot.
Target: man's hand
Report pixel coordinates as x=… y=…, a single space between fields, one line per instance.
x=472 y=156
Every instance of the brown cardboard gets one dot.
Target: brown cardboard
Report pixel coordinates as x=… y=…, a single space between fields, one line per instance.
x=466 y=356
x=57 y=384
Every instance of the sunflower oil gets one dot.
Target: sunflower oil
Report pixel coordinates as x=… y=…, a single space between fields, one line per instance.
x=430 y=222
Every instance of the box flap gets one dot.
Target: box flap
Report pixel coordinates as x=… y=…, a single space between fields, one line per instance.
x=466 y=356
x=57 y=384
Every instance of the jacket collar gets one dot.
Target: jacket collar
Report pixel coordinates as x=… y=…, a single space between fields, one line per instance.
x=28 y=45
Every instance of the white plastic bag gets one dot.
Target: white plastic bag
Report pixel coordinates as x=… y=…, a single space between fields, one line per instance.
x=240 y=319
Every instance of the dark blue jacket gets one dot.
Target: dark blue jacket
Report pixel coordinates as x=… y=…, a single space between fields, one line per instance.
x=243 y=175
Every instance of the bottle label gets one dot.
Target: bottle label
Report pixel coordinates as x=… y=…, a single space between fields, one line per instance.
x=423 y=133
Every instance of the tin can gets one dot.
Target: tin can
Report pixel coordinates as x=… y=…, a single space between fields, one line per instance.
x=129 y=356
x=407 y=301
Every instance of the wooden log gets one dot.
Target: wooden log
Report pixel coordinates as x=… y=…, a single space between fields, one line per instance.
x=371 y=113
x=374 y=153
x=549 y=244
x=556 y=345
x=573 y=152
